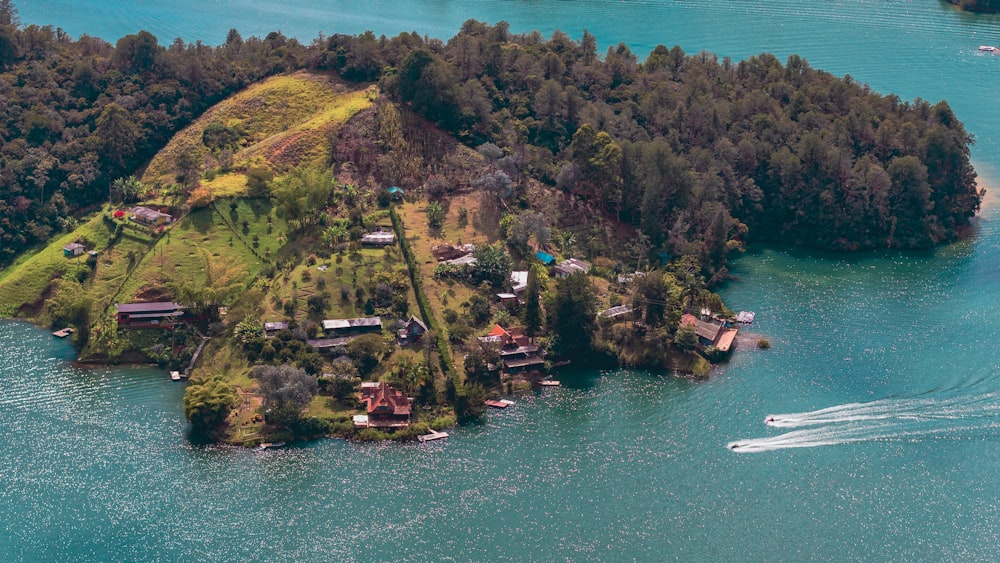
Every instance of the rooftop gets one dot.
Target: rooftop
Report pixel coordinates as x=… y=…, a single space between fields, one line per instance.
x=328 y=342
x=343 y=324
x=615 y=312
x=384 y=399
x=414 y=320
x=380 y=237
x=467 y=260
x=157 y=307
x=147 y=213
x=519 y=279
x=572 y=266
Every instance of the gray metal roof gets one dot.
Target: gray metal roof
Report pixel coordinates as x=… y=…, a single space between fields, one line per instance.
x=157 y=307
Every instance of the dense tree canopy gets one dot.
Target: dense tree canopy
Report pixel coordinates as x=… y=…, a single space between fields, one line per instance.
x=700 y=154
x=76 y=115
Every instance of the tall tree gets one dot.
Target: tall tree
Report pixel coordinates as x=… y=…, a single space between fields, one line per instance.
x=533 y=320
x=207 y=404
x=116 y=135
x=571 y=314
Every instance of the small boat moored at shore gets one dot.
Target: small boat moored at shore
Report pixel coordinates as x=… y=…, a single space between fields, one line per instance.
x=268 y=446
x=175 y=376
x=549 y=383
x=988 y=49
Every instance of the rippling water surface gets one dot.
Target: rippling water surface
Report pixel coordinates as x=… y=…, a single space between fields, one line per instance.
x=881 y=382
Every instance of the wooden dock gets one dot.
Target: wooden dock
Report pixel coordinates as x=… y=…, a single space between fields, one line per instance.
x=175 y=376
x=434 y=435
x=549 y=383
x=501 y=404
x=63 y=333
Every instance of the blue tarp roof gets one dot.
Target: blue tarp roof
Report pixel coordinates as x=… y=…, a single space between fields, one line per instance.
x=545 y=257
x=395 y=190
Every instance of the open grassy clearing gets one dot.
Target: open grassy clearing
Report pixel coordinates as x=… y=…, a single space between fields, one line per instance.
x=22 y=283
x=442 y=294
x=353 y=270
x=202 y=248
x=308 y=142
x=285 y=121
x=114 y=266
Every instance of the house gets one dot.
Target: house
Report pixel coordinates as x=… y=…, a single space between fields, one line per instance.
x=412 y=331
x=379 y=238
x=519 y=279
x=149 y=315
x=273 y=328
x=508 y=299
x=386 y=406
x=330 y=346
x=517 y=353
x=571 y=266
x=711 y=333
x=73 y=249
x=616 y=312
x=149 y=217
x=352 y=327
x=396 y=193
x=545 y=257
x=444 y=252
x=467 y=260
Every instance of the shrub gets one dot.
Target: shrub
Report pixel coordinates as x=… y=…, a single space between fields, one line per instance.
x=764 y=344
x=372 y=435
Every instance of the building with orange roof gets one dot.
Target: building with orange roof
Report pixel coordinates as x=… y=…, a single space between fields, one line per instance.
x=387 y=407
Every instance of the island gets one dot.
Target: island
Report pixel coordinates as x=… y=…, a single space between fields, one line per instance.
x=370 y=237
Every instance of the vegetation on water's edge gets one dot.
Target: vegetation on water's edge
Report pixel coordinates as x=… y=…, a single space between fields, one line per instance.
x=651 y=172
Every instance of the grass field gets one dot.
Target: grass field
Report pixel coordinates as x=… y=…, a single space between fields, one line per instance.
x=22 y=283
x=282 y=122
x=209 y=246
x=441 y=294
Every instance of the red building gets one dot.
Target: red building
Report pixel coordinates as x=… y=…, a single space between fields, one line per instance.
x=387 y=407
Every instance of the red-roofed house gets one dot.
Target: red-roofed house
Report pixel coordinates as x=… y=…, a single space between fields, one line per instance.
x=387 y=407
x=711 y=333
x=517 y=353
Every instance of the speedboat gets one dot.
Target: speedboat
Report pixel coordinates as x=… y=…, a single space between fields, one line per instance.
x=987 y=49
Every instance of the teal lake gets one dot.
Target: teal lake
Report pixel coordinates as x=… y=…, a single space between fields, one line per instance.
x=883 y=376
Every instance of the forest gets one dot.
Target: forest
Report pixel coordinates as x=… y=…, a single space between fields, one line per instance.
x=701 y=155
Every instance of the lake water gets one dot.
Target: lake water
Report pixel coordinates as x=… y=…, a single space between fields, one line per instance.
x=882 y=374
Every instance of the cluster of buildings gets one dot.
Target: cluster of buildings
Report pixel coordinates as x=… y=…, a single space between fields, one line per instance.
x=518 y=354
x=337 y=333
x=711 y=332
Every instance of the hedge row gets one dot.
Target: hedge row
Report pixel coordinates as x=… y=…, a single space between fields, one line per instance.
x=444 y=350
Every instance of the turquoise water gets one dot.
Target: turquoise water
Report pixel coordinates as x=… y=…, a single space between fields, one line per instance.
x=882 y=376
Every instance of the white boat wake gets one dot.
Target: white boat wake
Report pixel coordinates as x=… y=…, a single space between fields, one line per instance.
x=880 y=420
x=977 y=406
